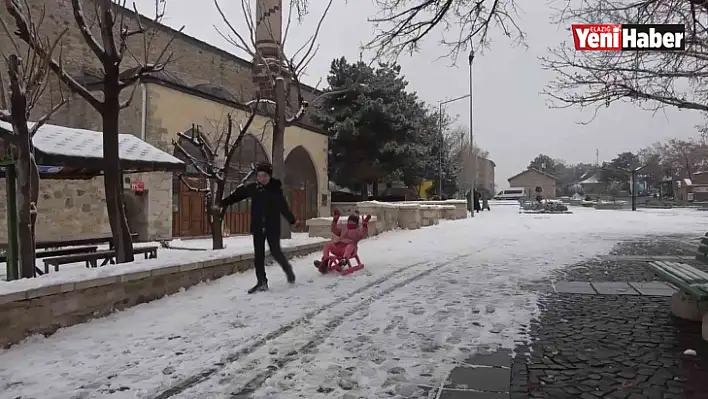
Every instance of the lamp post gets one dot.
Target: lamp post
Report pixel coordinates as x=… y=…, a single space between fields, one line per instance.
x=474 y=154
x=442 y=137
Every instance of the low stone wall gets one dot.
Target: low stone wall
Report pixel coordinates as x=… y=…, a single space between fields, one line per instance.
x=45 y=310
x=322 y=227
x=395 y=215
x=430 y=214
x=610 y=206
x=409 y=216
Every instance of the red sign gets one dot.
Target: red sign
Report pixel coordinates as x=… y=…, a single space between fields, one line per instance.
x=624 y=37
x=138 y=186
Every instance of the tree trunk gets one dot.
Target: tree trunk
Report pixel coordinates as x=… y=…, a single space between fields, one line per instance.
x=18 y=112
x=375 y=188
x=113 y=185
x=216 y=220
x=25 y=228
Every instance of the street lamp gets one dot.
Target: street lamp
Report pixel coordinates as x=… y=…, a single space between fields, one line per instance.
x=474 y=154
x=442 y=136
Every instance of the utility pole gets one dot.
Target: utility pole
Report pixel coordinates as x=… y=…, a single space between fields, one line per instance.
x=474 y=154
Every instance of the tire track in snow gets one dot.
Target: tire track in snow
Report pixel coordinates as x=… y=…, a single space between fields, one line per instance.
x=252 y=385
x=205 y=374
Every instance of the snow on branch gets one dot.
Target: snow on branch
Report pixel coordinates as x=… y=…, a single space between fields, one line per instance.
x=28 y=75
x=216 y=162
x=290 y=67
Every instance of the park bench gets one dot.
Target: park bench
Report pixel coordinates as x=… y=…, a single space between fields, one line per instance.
x=686 y=278
x=107 y=256
x=702 y=254
x=691 y=303
x=58 y=252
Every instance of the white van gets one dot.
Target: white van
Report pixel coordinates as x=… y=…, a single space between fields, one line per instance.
x=512 y=193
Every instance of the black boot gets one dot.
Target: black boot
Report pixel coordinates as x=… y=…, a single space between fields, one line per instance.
x=259 y=287
x=321 y=266
x=291 y=276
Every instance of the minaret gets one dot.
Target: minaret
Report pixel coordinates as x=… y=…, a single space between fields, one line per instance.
x=269 y=32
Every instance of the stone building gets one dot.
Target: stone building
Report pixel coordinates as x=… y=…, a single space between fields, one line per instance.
x=485 y=175
x=532 y=178
x=199 y=87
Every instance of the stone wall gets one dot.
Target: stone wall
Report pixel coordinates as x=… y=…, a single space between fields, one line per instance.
x=393 y=215
x=45 y=310
x=78 y=207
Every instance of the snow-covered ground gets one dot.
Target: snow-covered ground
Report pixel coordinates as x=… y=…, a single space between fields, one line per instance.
x=73 y=272
x=425 y=298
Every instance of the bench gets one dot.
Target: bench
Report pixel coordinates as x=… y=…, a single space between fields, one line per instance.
x=59 y=252
x=691 y=302
x=108 y=256
x=702 y=254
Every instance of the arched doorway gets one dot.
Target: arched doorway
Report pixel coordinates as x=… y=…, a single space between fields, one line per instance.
x=189 y=218
x=301 y=186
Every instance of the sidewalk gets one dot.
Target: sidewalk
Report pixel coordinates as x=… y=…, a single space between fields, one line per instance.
x=606 y=342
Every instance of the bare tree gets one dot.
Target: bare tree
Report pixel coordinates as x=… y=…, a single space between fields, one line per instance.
x=215 y=168
x=649 y=79
x=464 y=156
x=683 y=158
x=283 y=71
x=108 y=41
x=28 y=78
x=402 y=25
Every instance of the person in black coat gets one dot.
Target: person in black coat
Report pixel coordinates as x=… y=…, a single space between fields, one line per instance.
x=267 y=204
x=476 y=197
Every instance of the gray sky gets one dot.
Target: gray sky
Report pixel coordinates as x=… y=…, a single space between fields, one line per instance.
x=511 y=119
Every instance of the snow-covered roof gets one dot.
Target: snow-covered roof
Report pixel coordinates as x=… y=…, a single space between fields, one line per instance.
x=532 y=170
x=590 y=180
x=65 y=146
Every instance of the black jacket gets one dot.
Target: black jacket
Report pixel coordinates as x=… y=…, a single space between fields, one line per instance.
x=267 y=204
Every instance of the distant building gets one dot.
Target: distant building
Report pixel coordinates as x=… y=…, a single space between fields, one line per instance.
x=485 y=174
x=532 y=178
x=590 y=183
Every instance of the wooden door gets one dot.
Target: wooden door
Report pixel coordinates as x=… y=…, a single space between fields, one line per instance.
x=191 y=219
x=298 y=205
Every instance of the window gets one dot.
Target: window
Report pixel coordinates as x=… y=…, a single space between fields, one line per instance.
x=513 y=192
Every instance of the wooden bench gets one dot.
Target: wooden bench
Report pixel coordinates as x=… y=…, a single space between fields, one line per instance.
x=685 y=277
x=702 y=254
x=108 y=256
x=691 y=303
x=59 y=252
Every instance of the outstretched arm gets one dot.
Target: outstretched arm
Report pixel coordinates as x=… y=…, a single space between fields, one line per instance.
x=335 y=223
x=364 y=229
x=285 y=209
x=239 y=194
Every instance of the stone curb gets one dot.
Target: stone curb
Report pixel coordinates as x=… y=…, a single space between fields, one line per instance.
x=44 y=310
x=60 y=288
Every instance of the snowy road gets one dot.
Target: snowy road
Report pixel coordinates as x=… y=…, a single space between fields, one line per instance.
x=426 y=298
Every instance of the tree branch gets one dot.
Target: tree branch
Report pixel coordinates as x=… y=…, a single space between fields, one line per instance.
x=85 y=30
x=34 y=42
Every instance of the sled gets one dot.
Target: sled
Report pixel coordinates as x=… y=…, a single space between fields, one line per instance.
x=341 y=265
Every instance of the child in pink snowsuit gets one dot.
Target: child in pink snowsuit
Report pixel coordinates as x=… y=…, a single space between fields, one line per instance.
x=345 y=243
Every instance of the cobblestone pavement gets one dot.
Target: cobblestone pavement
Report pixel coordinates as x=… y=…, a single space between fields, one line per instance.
x=631 y=270
x=611 y=346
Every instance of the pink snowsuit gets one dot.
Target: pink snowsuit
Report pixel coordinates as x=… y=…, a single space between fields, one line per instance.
x=346 y=243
